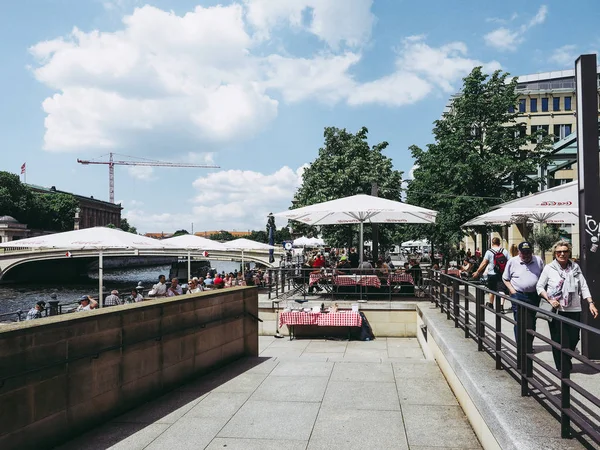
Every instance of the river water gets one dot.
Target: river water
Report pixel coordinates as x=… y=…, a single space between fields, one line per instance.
x=23 y=296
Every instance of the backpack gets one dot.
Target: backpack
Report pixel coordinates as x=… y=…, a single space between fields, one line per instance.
x=499 y=261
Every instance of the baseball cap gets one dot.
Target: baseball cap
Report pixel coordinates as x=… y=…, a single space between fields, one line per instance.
x=83 y=298
x=525 y=246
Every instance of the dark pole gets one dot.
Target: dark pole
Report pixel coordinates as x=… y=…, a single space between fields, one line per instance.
x=375 y=228
x=589 y=187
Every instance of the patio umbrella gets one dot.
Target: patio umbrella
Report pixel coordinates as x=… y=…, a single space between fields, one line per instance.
x=360 y=209
x=247 y=244
x=559 y=204
x=308 y=242
x=192 y=242
x=96 y=238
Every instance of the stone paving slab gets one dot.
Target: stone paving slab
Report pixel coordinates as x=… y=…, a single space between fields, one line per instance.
x=305 y=394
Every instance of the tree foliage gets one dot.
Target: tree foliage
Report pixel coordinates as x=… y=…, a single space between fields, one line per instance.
x=347 y=165
x=47 y=211
x=545 y=237
x=180 y=233
x=129 y=228
x=222 y=236
x=481 y=157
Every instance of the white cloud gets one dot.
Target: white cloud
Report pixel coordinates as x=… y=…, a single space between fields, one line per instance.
x=174 y=83
x=333 y=21
x=564 y=56
x=141 y=172
x=231 y=200
x=508 y=39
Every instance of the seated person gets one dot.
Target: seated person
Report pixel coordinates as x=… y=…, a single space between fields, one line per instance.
x=175 y=288
x=382 y=266
x=415 y=271
x=219 y=282
x=466 y=270
x=344 y=263
x=136 y=296
x=36 y=311
x=208 y=281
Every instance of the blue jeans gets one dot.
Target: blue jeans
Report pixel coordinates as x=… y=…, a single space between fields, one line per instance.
x=533 y=299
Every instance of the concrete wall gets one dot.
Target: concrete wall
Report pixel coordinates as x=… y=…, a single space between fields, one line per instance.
x=61 y=375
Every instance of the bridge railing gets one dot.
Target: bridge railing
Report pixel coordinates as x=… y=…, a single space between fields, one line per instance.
x=574 y=402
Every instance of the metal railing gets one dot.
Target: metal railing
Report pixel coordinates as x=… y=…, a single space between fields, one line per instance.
x=343 y=283
x=464 y=303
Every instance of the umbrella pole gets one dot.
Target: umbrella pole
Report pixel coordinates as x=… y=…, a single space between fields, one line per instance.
x=189 y=266
x=100 y=275
x=243 y=266
x=360 y=242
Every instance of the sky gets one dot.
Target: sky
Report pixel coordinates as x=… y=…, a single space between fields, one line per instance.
x=248 y=85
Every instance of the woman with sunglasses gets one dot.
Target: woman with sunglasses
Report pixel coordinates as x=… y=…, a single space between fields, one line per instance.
x=563 y=286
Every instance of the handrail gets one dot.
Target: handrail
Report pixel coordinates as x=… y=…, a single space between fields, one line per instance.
x=576 y=405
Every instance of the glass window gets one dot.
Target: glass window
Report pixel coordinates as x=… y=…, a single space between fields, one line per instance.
x=545 y=104
x=511 y=109
x=556 y=104
x=533 y=105
x=521 y=105
x=567 y=103
x=567 y=130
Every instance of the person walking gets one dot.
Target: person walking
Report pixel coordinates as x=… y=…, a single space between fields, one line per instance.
x=563 y=286
x=520 y=276
x=495 y=260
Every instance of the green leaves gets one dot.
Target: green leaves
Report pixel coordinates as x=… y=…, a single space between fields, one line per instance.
x=346 y=166
x=479 y=158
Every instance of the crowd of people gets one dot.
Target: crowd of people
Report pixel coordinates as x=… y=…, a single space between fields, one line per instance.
x=524 y=277
x=163 y=289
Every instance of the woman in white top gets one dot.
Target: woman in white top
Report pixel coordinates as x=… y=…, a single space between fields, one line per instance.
x=563 y=286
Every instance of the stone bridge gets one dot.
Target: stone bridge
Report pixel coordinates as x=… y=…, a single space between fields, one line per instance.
x=51 y=264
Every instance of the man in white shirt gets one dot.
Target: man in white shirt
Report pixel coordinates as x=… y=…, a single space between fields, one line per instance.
x=495 y=269
x=160 y=288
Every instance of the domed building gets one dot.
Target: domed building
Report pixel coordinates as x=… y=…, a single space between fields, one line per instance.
x=11 y=229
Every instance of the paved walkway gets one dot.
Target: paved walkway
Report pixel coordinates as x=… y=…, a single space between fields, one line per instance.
x=302 y=394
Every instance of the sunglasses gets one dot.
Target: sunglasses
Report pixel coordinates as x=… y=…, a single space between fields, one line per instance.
x=561 y=252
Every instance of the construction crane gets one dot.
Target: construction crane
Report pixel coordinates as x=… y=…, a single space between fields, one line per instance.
x=148 y=162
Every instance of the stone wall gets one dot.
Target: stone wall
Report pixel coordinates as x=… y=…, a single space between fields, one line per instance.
x=61 y=375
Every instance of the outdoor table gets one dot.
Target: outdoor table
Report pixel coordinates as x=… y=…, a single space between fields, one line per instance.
x=338 y=319
x=395 y=278
x=353 y=280
x=454 y=272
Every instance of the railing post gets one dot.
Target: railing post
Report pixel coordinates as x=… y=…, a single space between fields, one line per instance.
x=442 y=292
x=565 y=389
x=270 y=275
x=498 y=331
x=448 y=298
x=479 y=316
x=455 y=299
x=522 y=324
x=467 y=318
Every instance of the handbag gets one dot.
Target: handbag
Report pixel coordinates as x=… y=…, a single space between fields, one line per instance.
x=546 y=306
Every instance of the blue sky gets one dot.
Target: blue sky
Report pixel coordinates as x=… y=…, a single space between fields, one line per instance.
x=248 y=85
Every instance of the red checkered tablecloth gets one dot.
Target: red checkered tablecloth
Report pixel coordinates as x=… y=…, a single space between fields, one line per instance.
x=315 y=278
x=353 y=280
x=400 y=278
x=454 y=272
x=339 y=319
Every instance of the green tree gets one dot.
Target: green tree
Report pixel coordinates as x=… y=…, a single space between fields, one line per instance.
x=16 y=199
x=180 y=233
x=57 y=211
x=544 y=237
x=126 y=227
x=222 y=236
x=259 y=236
x=481 y=156
x=283 y=234
x=346 y=166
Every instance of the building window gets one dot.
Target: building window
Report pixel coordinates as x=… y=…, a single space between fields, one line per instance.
x=545 y=104
x=533 y=105
x=561 y=131
x=521 y=105
x=537 y=128
x=567 y=103
x=556 y=104
x=511 y=109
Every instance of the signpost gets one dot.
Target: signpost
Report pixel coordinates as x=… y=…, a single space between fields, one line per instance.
x=589 y=189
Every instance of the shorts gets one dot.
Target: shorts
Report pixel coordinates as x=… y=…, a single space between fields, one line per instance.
x=495 y=283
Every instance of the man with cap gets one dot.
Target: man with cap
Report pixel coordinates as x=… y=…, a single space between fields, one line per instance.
x=520 y=276
x=113 y=299
x=84 y=303
x=36 y=311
